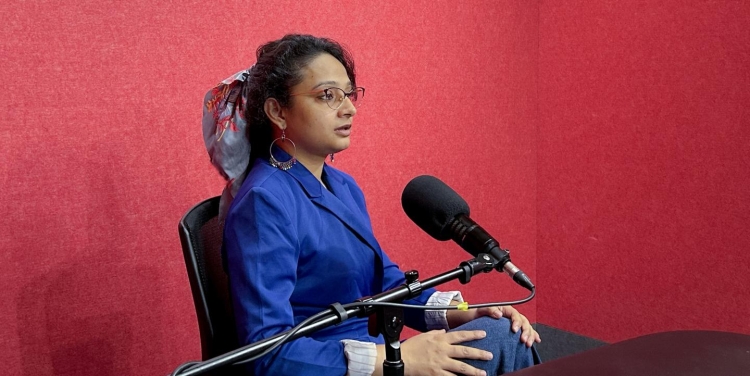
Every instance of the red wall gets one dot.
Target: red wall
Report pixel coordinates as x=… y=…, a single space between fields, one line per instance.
x=629 y=117
x=644 y=166
x=102 y=154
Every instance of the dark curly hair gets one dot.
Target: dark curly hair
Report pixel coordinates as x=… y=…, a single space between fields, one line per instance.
x=277 y=69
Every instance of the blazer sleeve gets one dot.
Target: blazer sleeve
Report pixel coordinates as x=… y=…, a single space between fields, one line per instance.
x=262 y=253
x=393 y=277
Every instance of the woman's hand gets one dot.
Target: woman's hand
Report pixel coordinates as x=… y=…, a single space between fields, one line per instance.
x=439 y=353
x=457 y=318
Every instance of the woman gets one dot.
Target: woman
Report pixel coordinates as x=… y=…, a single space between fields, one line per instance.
x=297 y=235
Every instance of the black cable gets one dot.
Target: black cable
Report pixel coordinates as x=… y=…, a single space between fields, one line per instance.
x=318 y=315
x=287 y=336
x=440 y=308
x=283 y=340
x=183 y=367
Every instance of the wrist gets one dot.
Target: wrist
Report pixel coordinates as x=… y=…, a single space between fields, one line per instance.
x=379 y=359
x=457 y=317
x=438 y=319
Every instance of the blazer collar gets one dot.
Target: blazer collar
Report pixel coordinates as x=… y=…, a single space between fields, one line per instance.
x=339 y=200
x=306 y=179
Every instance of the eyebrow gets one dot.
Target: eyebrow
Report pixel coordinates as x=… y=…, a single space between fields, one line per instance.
x=349 y=83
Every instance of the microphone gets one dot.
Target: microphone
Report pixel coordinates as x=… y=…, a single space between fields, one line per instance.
x=441 y=212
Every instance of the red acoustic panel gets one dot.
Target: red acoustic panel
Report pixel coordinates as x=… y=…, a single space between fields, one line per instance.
x=644 y=166
x=101 y=151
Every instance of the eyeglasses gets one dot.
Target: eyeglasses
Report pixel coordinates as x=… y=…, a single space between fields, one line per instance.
x=334 y=97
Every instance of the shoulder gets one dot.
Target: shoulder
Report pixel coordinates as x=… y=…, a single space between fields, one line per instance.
x=266 y=182
x=264 y=176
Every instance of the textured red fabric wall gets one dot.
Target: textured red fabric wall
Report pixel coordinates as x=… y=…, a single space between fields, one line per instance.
x=102 y=154
x=644 y=166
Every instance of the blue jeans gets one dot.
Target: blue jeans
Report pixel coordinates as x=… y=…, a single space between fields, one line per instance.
x=508 y=352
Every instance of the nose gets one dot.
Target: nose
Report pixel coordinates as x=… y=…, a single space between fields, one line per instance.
x=347 y=108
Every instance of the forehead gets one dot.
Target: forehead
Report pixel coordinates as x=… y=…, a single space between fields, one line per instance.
x=324 y=68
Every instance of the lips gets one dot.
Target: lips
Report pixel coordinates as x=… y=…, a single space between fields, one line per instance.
x=344 y=130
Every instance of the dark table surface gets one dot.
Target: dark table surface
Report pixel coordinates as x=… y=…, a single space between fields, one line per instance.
x=683 y=353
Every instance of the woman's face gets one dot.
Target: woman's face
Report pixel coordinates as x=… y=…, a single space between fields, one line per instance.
x=315 y=128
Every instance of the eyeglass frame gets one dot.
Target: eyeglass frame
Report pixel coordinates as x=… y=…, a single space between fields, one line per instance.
x=346 y=95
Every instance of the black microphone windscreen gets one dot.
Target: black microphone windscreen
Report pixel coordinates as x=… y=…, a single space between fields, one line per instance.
x=431 y=204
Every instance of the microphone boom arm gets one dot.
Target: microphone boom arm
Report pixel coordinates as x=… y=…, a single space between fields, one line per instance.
x=481 y=263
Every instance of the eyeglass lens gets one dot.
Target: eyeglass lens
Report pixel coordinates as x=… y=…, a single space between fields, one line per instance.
x=336 y=97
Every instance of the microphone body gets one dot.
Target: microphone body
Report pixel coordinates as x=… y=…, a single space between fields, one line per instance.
x=441 y=212
x=475 y=240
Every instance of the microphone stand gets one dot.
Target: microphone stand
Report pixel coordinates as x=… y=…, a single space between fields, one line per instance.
x=389 y=321
x=391 y=324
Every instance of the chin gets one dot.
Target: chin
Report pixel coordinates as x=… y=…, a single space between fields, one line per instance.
x=342 y=146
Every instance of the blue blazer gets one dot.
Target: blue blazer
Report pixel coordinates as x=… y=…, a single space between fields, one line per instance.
x=293 y=248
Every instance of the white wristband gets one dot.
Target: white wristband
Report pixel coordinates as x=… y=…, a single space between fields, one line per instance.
x=438 y=319
x=361 y=357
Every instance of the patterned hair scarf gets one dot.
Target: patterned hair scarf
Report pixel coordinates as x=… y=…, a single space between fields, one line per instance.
x=225 y=134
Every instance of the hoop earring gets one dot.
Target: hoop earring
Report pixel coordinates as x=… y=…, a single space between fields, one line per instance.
x=331 y=155
x=286 y=164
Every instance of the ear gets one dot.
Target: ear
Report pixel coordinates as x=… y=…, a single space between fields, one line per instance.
x=275 y=113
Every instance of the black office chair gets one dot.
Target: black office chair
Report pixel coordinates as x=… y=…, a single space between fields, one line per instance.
x=201 y=237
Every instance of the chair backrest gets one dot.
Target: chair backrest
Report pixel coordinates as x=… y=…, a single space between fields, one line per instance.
x=201 y=238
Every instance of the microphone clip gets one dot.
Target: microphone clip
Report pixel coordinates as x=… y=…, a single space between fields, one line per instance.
x=484 y=263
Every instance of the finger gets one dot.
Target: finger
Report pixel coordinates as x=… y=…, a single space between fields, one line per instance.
x=527 y=332
x=456 y=366
x=464 y=336
x=515 y=318
x=529 y=335
x=518 y=321
x=536 y=338
x=533 y=338
x=444 y=373
x=467 y=352
x=495 y=312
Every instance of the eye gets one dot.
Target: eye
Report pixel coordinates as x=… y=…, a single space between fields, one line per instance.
x=327 y=95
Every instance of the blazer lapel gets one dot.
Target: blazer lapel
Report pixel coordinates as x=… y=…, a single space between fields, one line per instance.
x=338 y=202
x=347 y=209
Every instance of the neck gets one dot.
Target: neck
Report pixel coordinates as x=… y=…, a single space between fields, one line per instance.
x=315 y=166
